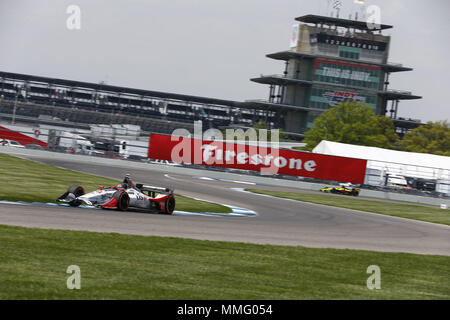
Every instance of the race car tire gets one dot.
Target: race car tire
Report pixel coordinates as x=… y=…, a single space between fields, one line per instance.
x=169 y=204
x=123 y=200
x=77 y=191
x=354 y=193
x=334 y=191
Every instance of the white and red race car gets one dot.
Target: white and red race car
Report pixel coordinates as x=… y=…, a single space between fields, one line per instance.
x=123 y=197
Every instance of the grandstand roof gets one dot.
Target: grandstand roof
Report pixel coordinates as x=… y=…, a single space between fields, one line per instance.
x=338 y=22
x=115 y=89
x=271 y=106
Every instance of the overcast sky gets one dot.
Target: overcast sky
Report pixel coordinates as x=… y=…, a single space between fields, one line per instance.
x=210 y=47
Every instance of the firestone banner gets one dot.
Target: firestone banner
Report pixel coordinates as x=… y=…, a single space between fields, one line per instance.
x=256 y=158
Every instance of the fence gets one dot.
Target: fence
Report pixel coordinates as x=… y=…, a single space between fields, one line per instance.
x=407 y=177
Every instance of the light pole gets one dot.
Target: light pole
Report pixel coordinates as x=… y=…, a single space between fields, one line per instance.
x=13 y=120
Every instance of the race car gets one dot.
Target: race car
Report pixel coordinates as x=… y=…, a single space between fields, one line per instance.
x=344 y=188
x=123 y=197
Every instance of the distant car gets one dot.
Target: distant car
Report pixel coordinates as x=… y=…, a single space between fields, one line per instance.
x=58 y=149
x=34 y=146
x=136 y=157
x=10 y=143
x=345 y=189
x=397 y=181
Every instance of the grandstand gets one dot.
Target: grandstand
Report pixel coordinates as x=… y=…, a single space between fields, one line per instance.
x=82 y=117
x=27 y=97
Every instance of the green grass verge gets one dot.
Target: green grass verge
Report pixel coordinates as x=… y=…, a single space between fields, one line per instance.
x=33 y=264
x=29 y=181
x=410 y=211
x=191 y=205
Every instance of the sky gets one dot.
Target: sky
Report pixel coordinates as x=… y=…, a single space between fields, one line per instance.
x=211 y=48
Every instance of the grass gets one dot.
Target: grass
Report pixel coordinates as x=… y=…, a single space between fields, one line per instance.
x=410 y=211
x=29 y=181
x=191 y=205
x=33 y=264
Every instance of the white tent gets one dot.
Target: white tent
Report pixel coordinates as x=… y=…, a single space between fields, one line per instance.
x=385 y=161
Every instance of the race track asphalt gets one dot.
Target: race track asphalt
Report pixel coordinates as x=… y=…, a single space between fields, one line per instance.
x=279 y=221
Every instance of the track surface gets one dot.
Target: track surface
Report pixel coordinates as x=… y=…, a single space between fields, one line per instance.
x=280 y=222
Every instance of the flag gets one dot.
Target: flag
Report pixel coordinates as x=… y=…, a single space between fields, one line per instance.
x=294 y=38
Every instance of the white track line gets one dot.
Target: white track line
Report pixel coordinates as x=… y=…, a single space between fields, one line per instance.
x=236 y=211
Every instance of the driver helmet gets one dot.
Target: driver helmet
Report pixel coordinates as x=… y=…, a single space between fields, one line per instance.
x=127 y=183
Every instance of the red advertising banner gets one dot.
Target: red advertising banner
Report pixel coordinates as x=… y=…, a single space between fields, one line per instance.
x=246 y=157
x=23 y=139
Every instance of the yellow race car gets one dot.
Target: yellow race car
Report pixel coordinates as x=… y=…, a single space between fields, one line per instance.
x=345 y=190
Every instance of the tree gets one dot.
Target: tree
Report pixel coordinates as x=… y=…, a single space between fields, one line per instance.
x=434 y=137
x=353 y=123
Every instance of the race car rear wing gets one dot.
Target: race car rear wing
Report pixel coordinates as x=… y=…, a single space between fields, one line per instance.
x=143 y=187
